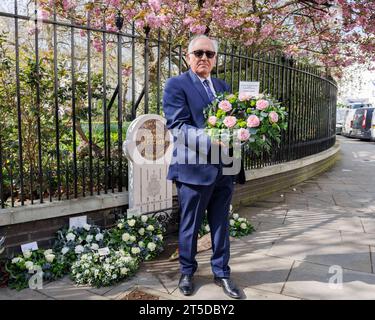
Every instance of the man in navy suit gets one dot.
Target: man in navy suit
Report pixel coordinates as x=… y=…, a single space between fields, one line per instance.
x=200 y=182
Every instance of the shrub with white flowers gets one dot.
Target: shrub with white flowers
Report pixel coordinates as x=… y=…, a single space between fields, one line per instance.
x=71 y=243
x=103 y=270
x=142 y=236
x=23 y=267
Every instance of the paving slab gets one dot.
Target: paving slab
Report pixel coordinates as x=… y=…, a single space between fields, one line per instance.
x=256 y=294
x=26 y=294
x=368 y=224
x=60 y=290
x=317 y=282
x=260 y=271
x=324 y=251
x=361 y=238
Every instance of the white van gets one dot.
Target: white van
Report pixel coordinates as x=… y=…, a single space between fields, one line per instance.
x=347 y=128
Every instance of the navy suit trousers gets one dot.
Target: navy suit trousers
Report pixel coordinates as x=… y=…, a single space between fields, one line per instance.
x=194 y=200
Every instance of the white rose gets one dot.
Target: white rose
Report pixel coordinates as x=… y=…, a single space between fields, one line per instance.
x=78 y=249
x=70 y=237
x=150 y=228
x=124 y=271
x=29 y=265
x=144 y=218
x=235 y=216
x=120 y=225
x=64 y=250
x=243 y=226
x=125 y=237
x=94 y=246
x=50 y=257
x=151 y=246
x=132 y=238
x=131 y=222
x=114 y=276
x=241 y=219
x=27 y=254
x=47 y=252
x=160 y=237
x=135 y=250
x=231 y=222
x=89 y=238
x=87 y=227
x=99 y=237
x=207 y=228
x=141 y=231
x=141 y=244
x=16 y=260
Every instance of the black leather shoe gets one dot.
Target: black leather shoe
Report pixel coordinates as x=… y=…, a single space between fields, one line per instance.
x=230 y=289
x=186 y=284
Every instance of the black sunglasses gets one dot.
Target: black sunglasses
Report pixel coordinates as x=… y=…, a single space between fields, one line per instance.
x=200 y=53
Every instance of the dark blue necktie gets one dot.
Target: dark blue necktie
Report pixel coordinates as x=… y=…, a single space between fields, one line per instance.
x=210 y=94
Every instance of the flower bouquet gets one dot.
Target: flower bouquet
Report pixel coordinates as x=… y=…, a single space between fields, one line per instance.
x=103 y=270
x=71 y=243
x=23 y=267
x=242 y=119
x=141 y=236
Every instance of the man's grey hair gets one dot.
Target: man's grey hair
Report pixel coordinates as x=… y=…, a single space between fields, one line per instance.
x=201 y=36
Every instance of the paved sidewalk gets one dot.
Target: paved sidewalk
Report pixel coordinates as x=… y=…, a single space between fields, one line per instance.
x=305 y=236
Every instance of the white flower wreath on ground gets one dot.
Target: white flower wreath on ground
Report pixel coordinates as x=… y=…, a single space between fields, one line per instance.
x=103 y=270
x=71 y=243
x=142 y=236
x=238 y=226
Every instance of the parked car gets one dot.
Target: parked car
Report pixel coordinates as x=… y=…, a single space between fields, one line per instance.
x=340 y=118
x=364 y=124
x=347 y=127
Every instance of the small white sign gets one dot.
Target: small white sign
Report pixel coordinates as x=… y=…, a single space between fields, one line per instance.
x=136 y=211
x=251 y=87
x=77 y=222
x=32 y=246
x=103 y=251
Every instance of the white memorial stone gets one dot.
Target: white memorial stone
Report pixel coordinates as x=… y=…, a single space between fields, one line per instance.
x=148 y=147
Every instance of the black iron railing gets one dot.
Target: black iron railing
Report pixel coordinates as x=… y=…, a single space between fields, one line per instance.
x=67 y=99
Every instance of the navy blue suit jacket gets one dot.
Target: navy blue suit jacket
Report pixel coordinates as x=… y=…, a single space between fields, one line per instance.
x=184 y=100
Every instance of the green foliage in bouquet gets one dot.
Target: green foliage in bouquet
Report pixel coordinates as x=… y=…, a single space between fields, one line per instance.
x=141 y=236
x=254 y=121
x=23 y=267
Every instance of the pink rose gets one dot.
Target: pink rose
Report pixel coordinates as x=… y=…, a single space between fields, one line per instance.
x=262 y=104
x=244 y=96
x=212 y=120
x=225 y=105
x=273 y=117
x=243 y=134
x=253 y=121
x=230 y=121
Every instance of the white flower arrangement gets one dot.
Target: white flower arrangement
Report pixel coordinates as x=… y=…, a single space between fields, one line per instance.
x=76 y=241
x=134 y=235
x=238 y=226
x=98 y=271
x=22 y=267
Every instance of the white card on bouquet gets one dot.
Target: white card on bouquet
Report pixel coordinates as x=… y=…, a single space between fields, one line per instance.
x=31 y=246
x=250 y=87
